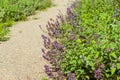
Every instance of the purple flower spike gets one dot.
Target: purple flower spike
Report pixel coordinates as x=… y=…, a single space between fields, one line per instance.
x=51 y=76
x=56 y=45
x=69 y=11
x=56 y=31
x=97 y=73
x=49 y=34
x=54 y=61
x=53 y=25
x=57 y=23
x=71 y=76
x=45 y=57
x=43 y=51
x=73 y=24
x=44 y=37
x=102 y=66
x=108 y=50
x=49 y=24
x=62 y=20
x=60 y=73
x=47 y=68
x=73 y=5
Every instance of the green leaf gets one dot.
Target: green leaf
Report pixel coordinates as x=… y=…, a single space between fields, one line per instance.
x=97 y=54
x=118 y=65
x=78 y=41
x=107 y=75
x=91 y=63
x=93 y=42
x=113 y=55
x=73 y=62
x=113 y=70
x=87 y=77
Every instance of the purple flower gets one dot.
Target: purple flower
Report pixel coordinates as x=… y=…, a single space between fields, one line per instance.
x=71 y=76
x=56 y=45
x=72 y=5
x=62 y=20
x=60 y=17
x=47 y=28
x=45 y=44
x=108 y=50
x=97 y=73
x=43 y=51
x=45 y=57
x=57 y=23
x=56 y=32
x=44 y=37
x=69 y=11
x=53 y=25
x=51 y=76
x=102 y=66
x=59 y=73
x=49 y=24
x=47 y=69
x=54 y=61
x=72 y=36
x=50 y=34
x=49 y=41
x=73 y=24
x=73 y=17
x=51 y=29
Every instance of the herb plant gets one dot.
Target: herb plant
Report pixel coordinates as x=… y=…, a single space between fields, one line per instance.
x=85 y=43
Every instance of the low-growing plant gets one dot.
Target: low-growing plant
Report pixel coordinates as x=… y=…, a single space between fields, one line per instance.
x=86 y=42
x=15 y=10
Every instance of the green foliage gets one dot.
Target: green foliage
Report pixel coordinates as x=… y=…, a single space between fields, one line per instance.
x=94 y=52
x=44 y=78
x=15 y=10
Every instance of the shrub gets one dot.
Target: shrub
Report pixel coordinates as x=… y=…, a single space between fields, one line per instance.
x=86 y=42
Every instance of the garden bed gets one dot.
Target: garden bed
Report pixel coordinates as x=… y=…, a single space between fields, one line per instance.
x=86 y=42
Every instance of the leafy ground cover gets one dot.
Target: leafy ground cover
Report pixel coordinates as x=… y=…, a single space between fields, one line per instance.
x=85 y=43
x=15 y=10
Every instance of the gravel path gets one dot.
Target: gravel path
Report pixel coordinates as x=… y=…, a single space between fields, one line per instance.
x=21 y=56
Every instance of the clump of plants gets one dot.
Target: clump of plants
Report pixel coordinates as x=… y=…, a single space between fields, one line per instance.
x=84 y=45
x=15 y=10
